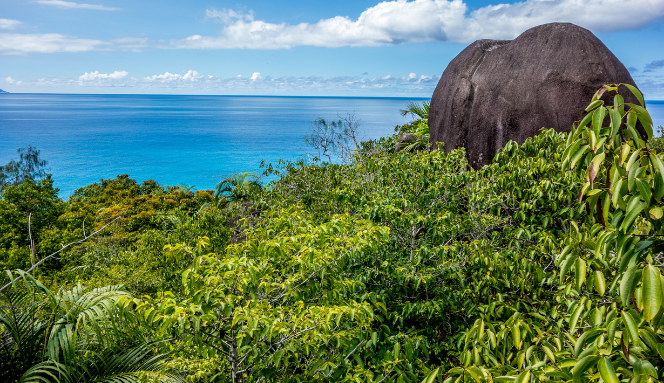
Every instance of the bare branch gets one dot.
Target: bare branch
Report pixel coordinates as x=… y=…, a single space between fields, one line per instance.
x=85 y=238
x=32 y=243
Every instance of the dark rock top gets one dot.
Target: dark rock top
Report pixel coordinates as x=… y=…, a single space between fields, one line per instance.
x=495 y=91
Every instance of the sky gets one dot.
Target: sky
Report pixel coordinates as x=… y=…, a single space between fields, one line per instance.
x=291 y=47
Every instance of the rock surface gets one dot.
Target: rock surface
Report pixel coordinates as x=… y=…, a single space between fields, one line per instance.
x=495 y=91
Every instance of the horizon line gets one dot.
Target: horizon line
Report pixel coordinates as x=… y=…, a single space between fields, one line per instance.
x=216 y=95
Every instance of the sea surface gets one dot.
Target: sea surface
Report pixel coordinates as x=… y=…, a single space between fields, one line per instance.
x=176 y=140
x=180 y=140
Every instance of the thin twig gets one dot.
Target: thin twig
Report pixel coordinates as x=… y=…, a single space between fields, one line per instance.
x=85 y=238
x=32 y=245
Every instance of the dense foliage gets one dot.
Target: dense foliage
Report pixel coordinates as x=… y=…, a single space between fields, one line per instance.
x=390 y=267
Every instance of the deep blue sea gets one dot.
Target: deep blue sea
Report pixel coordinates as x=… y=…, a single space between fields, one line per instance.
x=190 y=140
x=179 y=140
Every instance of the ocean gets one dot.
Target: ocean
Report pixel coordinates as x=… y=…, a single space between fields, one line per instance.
x=174 y=139
x=180 y=140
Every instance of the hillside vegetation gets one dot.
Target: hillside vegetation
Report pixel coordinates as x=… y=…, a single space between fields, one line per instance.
x=390 y=267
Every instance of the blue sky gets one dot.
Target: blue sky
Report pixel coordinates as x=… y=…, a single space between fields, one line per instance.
x=290 y=47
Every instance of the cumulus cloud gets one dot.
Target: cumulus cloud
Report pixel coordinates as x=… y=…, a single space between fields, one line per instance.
x=257 y=84
x=14 y=43
x=191 y=75
x=387 y=23
x=192 y=82
x=654 y=65
x=228 y=15
x=401 y=22
x=11 y=81
x=9 y=24
x=103 y=76
x=69 y=4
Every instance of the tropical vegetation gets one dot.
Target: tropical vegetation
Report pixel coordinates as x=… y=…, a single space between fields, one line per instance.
x=545 y=265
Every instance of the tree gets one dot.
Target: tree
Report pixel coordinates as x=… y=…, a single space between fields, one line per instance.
x=29 y=167
x=238 y=187
x=28 y=211
x=325 y=137
x=340 y=138
x=420 y=124
x=598 y=313
x=274 y=307
x=417 y=110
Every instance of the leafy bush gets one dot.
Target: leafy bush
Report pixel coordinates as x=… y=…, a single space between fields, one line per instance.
x=398 y=267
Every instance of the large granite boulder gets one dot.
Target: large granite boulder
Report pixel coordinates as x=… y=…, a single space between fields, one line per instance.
x=495 y=91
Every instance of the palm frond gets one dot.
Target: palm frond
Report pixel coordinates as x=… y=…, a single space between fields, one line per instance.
x=239 y=186
x=417 y=110
x=72 y=336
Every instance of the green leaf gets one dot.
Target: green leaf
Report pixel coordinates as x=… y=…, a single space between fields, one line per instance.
x=585 y=120
x=592 y=106
x=577 y=155
x=632 y=327
x=586 y=337
x=598 y=119
x=607 y=372
x=616 y=121
x=595 y=165
x=636 y=93
x=574 y=318
x=644 y=190
x=516 y=336
x=476 y=374
x=627 y=285
x=566 y=363
x=616 y=192
x=655 y=212
x=644 y=367
x=480 y=331
x=618 y=102
x=505 y=379
x=612 y=329
x=642 y=115
x=432 y=376
x=660 y=350
x=631 y=216
x=580 y=273
x=658 y=165
x=523 y=377
x=652 y=292
x=600 y=283
x=549 y=353
x=583 y=365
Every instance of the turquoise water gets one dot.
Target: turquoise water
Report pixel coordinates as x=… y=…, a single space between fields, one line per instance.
x=190 y=140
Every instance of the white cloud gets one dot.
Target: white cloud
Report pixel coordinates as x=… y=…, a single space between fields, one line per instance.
x=14 y=43
x=191 y=75
x=69 y=4
x=387 y=23
x=228 y=15
x=9 y=24
x=192 y=82
x=257 y=84
x=402 y=22
x=11 y=81
x=103 y=76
